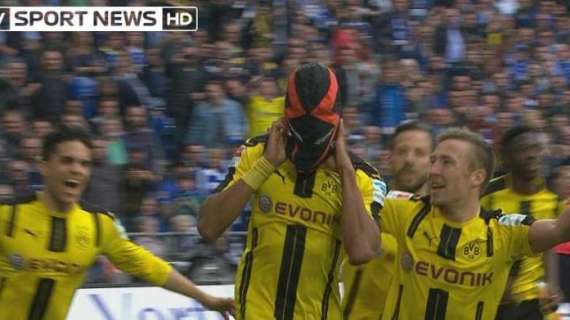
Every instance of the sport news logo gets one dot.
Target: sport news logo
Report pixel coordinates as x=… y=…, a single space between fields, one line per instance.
x=102 y=19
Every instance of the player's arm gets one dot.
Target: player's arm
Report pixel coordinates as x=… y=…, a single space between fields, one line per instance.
x=545 y=234
x=137 y=261
x=360 y=233
x=221 y=209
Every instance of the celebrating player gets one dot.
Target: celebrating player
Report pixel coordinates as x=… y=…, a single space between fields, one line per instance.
x=523 y=190
x=310 y=200
x=49 y=240
x=366 y=287
x=454 y=258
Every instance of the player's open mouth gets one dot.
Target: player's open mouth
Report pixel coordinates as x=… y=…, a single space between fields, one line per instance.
x=437 y=186
x=71 y=183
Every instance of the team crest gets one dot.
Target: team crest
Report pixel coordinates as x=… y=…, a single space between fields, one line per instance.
x=472 y=250
x=407 y=261
x=82 y=238
x=265 y=204
x=330 y=187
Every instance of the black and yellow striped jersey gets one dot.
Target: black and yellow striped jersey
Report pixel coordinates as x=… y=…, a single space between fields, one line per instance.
x=289 y=269
x=366 y=286
x=542 y=205
x=450 y=270
x=44 y=256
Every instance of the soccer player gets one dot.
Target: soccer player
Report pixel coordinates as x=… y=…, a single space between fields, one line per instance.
x=454 y=258
x=311 y=203
x=523 y=190
x=366 y=287
x=49 y=240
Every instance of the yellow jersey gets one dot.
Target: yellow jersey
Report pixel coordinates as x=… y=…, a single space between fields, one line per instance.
x=290 y=266
x=450 y=270
x=44 y=256
x=542 y=205
x=366 y=287
x=262 y=112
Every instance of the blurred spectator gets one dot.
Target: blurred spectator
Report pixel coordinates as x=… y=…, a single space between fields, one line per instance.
x=12 y=131
x=49 y=101
x=82 y=58
x=149 y=226
x=18 y=176
x=107 y=108
x=217 y=121
x=74 y=119
x=15 y=88
x=264 y=106
x=372 y=142
x=41 y=128
x=188 y=196
x=187 y=77
x=153 y=73
x=395 y=28
x=135 y=44
x=391 y=102
x=112 y=130
x=31 y=153
x=150 y=208
x=450 y=41
x=210 y=177
x=186 y=243
x=194 y=156
x=140 y=134
x=131 y=89
x=104 y=187
x=137 y=181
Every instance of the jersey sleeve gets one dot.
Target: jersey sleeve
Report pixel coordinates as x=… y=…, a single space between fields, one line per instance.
x=244 y=158
x=516 y=227
x=391 y=217
x=130 y=257
x=373 y=191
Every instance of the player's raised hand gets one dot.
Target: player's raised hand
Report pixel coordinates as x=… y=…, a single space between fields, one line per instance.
x=341 y=159
x=275 y=149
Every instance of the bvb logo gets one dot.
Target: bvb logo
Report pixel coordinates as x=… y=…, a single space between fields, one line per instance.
x=82 y=239
x=472 y=250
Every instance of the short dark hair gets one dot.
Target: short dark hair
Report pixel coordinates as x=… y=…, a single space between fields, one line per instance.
x=64 y=134
x=483 y=152
x=410 y=126
x=510 y=135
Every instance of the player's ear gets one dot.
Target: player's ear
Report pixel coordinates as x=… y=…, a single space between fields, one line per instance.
x=478 y=177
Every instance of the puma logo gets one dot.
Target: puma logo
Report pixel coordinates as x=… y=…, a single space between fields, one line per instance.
x=428 y=237
x=33 y=234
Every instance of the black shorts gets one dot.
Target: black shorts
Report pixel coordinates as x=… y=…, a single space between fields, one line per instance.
x=526 y=310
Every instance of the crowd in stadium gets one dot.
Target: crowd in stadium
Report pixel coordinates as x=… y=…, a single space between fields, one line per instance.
x=169 y=109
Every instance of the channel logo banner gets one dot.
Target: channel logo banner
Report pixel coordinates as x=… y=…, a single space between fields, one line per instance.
x=98 y=19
